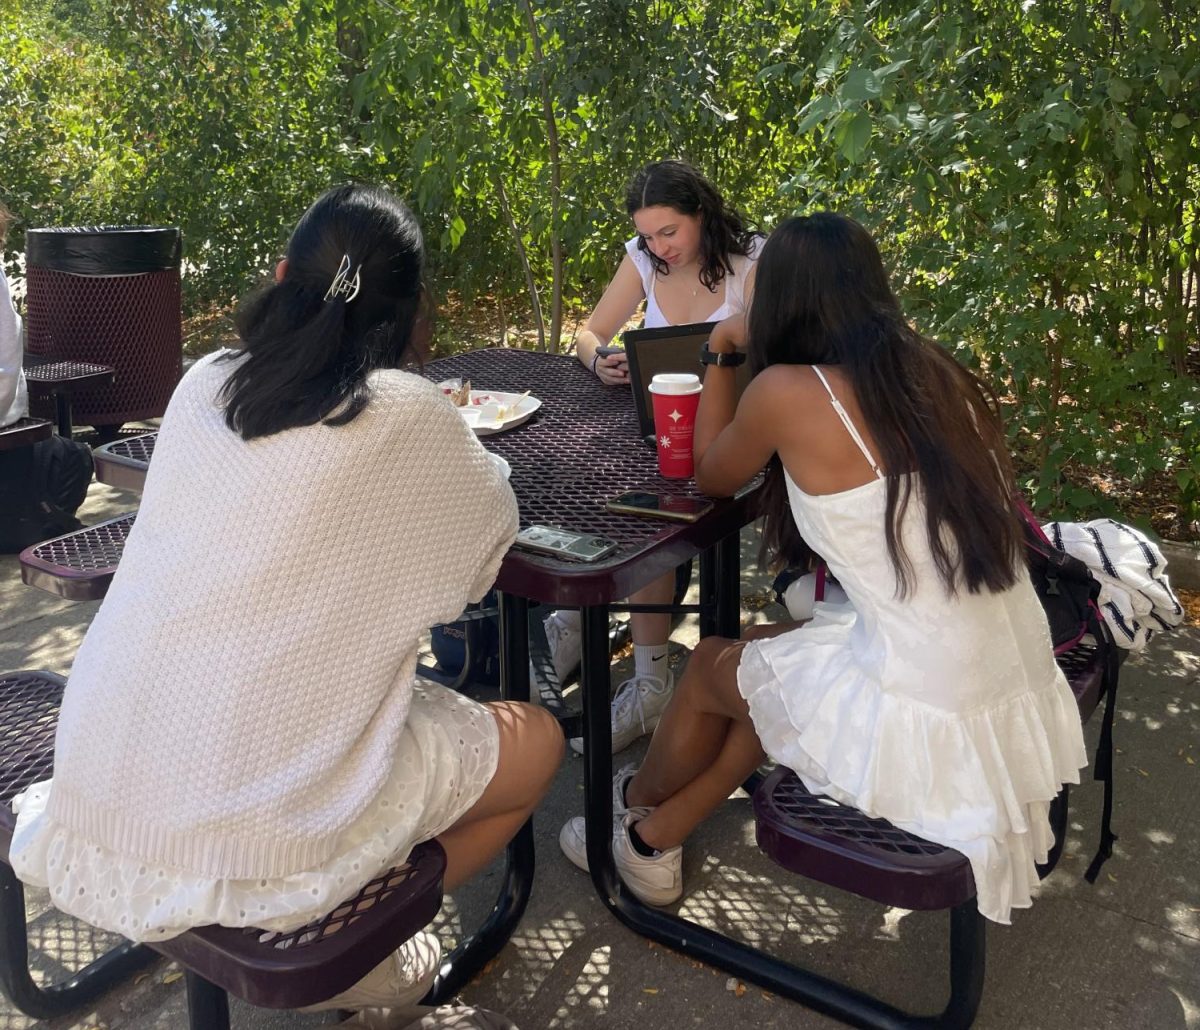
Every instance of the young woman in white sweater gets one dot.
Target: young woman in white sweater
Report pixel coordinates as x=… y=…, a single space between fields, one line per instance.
x=243 y=740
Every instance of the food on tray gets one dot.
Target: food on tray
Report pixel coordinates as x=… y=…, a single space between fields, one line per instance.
x=462 y=396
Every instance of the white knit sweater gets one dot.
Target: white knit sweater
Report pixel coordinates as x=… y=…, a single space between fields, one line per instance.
x=238 y=698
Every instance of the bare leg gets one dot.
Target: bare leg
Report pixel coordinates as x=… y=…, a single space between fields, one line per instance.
x=650 y=629
x=771 y=629
x=531 y=747
x=704 y=747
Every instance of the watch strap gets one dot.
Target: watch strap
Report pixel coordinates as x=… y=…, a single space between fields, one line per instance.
x=730 y=360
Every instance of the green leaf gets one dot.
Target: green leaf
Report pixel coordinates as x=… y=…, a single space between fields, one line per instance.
x=1119 y=90
x=854 y=136
x=1180 y=120
x=816 y=112
x=859 y=84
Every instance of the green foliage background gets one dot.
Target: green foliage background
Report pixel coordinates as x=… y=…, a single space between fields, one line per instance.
x=1030 y=169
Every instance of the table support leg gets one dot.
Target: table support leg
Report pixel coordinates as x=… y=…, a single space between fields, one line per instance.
x=729 y=586
x=81 y=988
x=62 y=409
x=709 y=579
x=720 y=588
x=597 y=753
x=476 y=950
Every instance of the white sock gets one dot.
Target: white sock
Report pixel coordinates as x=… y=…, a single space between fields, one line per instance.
x=650 y=660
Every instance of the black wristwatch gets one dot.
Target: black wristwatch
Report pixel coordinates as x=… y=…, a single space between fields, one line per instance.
x=732 y=360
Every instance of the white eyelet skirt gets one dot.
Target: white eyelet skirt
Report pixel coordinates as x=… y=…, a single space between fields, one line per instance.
x=446 y=757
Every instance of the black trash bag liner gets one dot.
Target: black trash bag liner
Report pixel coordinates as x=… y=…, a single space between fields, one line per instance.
x=104 y=249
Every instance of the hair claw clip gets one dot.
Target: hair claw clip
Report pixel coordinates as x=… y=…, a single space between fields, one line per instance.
x=343 y=285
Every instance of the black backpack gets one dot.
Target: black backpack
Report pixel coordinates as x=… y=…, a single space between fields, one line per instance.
x=41 y=486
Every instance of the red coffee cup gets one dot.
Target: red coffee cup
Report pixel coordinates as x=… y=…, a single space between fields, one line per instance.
x=676 y=397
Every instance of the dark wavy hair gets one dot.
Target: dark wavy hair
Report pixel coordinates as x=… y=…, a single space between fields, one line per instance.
x=822 y=297
x=307 y=359
x=676 y=184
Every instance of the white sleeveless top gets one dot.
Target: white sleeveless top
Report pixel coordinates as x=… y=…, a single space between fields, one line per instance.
x=735 y=283
x=945 y=714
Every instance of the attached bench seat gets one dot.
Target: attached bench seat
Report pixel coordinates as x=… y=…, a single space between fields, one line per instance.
x=835 y=844
x=80 y=565
x=272 y=970
x=25 y=431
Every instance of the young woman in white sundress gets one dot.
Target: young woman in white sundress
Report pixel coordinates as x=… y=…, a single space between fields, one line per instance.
x=243 y=740
x=930 y=698
x=692 y=260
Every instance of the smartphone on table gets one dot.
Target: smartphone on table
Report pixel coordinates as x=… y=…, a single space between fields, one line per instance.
x=564 y=543
x=657 y=505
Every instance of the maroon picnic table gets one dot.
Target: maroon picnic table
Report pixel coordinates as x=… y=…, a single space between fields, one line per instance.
x=582 y=448
x=60 y=380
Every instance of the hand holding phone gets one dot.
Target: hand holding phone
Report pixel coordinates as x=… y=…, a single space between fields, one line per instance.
x=609 y=371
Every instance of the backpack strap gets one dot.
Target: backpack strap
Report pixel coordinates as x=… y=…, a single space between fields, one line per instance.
x=1102 y=765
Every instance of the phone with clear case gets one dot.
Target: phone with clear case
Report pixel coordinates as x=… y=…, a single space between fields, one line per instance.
x=564 y=543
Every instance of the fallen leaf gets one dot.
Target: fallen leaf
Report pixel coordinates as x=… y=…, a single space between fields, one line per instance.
x=1191 y=760
x=649 y=990
x=1111 y=877
x=1143 y=772
x=172 y=976
x=739 y=990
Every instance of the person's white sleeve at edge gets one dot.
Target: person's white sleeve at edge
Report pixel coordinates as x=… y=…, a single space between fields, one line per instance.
x=14 y=399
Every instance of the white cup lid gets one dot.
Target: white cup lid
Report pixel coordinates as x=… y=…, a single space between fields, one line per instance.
x=675 y=383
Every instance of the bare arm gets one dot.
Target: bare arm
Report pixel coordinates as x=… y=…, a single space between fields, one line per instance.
x=621 y=299
x=717 y=400
x=733 y=444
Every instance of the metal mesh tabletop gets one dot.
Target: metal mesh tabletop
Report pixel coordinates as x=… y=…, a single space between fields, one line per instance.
x=49 y=376
x=583 y=448
x=123 y=463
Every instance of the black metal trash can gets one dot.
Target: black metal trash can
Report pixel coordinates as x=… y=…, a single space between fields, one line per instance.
x=109 y=295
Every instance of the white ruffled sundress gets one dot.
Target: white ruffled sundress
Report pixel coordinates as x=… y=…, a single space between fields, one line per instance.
x=946 y=715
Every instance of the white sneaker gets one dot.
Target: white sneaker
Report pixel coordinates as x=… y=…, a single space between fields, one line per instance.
x=620 y=783
x=399 y=981
x=656 y=880
x=566 y=645
x=636 y=709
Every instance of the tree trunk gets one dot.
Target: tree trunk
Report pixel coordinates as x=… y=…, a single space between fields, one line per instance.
x=556 y=251
x=535 y=301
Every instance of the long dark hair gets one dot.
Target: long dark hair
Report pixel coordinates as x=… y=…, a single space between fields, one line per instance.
x=822 y=297
x=308 y=358
x=676 y=184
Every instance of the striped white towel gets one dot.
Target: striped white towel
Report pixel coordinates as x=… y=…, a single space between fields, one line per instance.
x=1135 y=596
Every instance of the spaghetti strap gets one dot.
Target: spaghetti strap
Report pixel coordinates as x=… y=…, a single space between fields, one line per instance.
x=846 y=421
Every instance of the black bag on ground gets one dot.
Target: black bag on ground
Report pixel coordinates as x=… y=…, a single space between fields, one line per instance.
x=468 y=651
x=41 y=488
